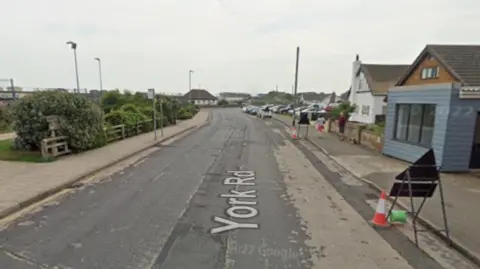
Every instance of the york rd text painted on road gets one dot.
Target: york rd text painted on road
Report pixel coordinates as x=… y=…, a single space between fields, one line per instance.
x=241 y=207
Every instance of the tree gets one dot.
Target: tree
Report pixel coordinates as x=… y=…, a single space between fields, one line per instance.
x=223 y=102
x=344 y=107
x=112 y=100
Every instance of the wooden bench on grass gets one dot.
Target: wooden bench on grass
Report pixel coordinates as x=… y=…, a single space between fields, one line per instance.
x=55 y=146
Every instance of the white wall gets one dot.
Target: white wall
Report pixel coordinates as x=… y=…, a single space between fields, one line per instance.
x=354 y=85
x=361 y=95
x=380 y=107
x=205 y=102
x=364 y=100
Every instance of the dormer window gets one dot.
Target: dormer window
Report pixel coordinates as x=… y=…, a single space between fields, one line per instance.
x=430 y=72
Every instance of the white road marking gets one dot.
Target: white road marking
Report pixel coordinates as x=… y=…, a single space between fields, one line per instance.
x=159 y=176
x=140 y=162
x=239 y=209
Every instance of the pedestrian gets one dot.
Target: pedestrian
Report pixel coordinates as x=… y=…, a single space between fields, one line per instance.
x=320 y=124
x=342 y=121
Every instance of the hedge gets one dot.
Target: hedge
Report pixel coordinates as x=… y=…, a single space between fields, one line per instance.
x=81 y=120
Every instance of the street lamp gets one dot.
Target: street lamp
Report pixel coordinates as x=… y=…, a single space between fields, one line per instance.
x=99 y=71
x=73 y=46
x=190 y=72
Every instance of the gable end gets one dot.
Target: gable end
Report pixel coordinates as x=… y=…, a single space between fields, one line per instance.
x=428 y=59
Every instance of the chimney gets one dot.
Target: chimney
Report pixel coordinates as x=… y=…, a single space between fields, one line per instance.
x=355 y=66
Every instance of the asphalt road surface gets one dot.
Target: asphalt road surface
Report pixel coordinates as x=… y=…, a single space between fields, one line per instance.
x=235 y=194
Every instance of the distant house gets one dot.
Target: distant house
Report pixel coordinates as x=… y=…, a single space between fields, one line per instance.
x=436 y=104
x=332 y=98
x=309 y=98
x=370 y=84
x=201 y=97
x=234 y=96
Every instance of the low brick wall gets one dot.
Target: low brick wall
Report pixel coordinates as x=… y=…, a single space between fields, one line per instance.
x=371 y=140
x=358 y=135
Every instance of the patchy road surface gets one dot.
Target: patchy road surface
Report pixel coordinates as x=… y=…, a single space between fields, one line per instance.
x=235 y=194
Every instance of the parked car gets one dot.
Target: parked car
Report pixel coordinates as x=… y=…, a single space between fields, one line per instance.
x=265 y=112
x=297 y=110
x=253 y=110
x=285 y=109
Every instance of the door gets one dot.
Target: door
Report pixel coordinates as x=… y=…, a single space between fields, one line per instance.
x=475 y=156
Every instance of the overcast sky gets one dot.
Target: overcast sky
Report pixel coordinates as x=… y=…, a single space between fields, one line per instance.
x=233 y=45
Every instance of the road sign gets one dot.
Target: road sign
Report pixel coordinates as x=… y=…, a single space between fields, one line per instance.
x=151 y=94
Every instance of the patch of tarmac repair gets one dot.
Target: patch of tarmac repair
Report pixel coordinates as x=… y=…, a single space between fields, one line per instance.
x=337 y=233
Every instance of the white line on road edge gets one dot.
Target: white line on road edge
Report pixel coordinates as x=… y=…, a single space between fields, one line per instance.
x=159 y=176
x=447 y=257
x=239 y=209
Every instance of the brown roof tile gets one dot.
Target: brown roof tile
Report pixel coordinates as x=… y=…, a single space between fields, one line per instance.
x=461 y=61
x=381 y=77
x=199 y=94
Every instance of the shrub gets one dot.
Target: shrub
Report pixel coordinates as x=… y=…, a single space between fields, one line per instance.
x=345 y=107
x=184 y=114
x=81 y=120
x=223 y=102
x=5 y=118
x=115 y=117
x=147 y=111
x=118 y=117
x=130 y=108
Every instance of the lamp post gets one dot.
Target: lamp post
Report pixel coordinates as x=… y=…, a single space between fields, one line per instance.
x=190 y=72
x=73 y=46
x=99 y=71
x=295 y=85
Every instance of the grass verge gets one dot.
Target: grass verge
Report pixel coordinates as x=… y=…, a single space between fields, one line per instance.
x=7 y=153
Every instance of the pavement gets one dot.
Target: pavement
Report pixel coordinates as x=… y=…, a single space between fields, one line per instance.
x=25 y=183
x=461 y=191
x=237 y=193
x=6 y=136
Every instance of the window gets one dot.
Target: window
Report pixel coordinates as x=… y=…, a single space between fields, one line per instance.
x=430 y=72
x=415 y=123
x=365 y=110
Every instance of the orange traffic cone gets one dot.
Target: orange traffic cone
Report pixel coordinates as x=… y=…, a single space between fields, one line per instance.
x=380 y=219
x=294 y=133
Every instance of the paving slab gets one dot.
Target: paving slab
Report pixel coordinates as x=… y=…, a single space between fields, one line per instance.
x=6 y=136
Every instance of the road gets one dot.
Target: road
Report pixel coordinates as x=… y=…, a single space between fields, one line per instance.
x=235 y=194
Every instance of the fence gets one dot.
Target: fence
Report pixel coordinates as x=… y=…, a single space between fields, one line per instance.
x=358 y=134
x=122 y=131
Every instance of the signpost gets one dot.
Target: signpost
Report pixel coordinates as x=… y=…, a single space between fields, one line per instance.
x=151 y=95
x=161 y=114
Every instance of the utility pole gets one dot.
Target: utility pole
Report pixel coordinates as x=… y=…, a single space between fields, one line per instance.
x=161 y=114
x=296 y=85
x=151 y=95
x=190 y=85
x=276 y=88
x=12 y=85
